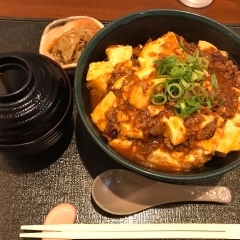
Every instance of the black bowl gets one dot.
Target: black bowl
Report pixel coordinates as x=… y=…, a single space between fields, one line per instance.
x=136 y=29
x=35 y=103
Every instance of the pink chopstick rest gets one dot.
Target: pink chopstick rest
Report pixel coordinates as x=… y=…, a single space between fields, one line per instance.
x=64 y=213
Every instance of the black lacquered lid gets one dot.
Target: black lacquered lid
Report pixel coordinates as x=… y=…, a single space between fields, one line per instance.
x=35 y=98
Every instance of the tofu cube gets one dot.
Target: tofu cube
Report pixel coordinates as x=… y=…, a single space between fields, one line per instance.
x=97 y=69
x=118 y=53
x=175 y=129
x=129 y=131
x=98 y=114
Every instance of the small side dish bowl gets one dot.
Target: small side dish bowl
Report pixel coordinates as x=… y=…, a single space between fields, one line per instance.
x=70 y=30
x=136 y=29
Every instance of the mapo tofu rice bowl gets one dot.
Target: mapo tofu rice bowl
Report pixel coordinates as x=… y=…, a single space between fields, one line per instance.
x=165 y=100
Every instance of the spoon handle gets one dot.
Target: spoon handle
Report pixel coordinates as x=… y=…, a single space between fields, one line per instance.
x=216 y=194
x=203 y=193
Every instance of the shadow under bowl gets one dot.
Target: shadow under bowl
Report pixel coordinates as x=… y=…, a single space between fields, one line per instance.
x=136 y=29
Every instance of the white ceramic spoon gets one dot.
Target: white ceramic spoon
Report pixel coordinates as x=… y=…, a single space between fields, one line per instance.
x=123 y=192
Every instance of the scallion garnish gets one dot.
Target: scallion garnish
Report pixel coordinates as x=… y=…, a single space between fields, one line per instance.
x=214 y=81
x=159 y=99
x=184 y=108
x=182 y=46
x=183 y=83
x=203 y=62
x=174 y=90
x=200 y=94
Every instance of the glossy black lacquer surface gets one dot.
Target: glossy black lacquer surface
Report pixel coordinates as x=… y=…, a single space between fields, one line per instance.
x=136 y=29
x=35 y=103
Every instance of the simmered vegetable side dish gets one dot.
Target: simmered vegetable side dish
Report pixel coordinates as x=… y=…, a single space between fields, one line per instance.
x=68 y=47
x=169 y=105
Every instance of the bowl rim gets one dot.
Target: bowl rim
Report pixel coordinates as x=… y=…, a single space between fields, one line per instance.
x=87 y=121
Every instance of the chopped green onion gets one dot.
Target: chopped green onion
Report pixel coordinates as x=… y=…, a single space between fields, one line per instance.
x=183 y=84
x=189 y=59
x=187 y=107
x=194 y=76
x=182 y=46
x=209 y=104
x=182 y=105
x=197 y=62
x=198 y=72
x=159 y=99
x=214 y=81
x=178 y=70
x=200 y=93
x=203 y=62
x=165 y=65
x=196 y=54
x=158 y=88
x=174 y=90
x=216 y=100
